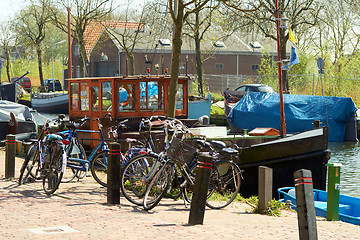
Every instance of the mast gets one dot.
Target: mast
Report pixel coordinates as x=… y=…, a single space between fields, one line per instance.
x=282 y=113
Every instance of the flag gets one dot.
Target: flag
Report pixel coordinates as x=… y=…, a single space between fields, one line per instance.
x=292 y=36
x=294 y=59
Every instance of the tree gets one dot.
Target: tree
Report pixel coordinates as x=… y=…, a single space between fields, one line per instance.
x=7 y=43
x=299 y=13
x=31 y=27
x=83 y=13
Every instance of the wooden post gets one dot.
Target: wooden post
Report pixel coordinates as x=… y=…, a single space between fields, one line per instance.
x=265 y=187
x=198 y=201
x=113 y=174
x=10 y=156
x=305 y=205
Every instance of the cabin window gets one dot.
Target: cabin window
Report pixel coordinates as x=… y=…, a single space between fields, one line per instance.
x=74 y=99
x=151 y=96
x=94 y=98
x=127 y=98
x=84 y=96
x=106 y=95
x=180 y=97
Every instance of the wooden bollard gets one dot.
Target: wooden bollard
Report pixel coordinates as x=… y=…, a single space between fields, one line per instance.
x=198 y=201
x=113 y=174
x=305 y=204
x=265 y=186
x=10 y=156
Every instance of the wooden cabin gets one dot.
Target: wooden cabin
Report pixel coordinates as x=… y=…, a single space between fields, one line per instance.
x=132 y=97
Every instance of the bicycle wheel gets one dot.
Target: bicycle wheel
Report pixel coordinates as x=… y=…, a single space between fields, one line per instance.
x=224 y=185
x=53 y=170
x=158 y=186
x=29 y=169
x=136 y=176
x=99 y=168
x=71 y=173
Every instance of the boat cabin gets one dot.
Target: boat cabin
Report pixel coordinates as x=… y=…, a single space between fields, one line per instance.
x=132 y=97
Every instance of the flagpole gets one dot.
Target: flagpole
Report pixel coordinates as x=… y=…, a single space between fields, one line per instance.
x=282 y=112
x=69 y=43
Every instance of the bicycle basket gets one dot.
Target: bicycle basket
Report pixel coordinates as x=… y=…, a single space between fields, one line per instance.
x=181 y=150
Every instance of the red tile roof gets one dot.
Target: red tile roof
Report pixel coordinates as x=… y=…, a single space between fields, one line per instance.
x=94 y=30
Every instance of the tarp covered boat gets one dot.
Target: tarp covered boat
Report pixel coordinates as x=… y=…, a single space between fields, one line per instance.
x=262 y=110
x=349 y=207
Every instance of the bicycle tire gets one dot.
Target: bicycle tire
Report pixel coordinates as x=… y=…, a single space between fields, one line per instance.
x=99 y=168
x=53 y=171
x=158 y=186
x=224 y=184
x=30 y=164
x=71 y=173
x=134 y=178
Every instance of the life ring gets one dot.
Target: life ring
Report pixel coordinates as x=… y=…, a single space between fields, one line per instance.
x=129 y=93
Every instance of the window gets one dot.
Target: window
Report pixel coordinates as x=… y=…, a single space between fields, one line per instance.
x=151 y=96
x=255 y=67
x=106 y=95
x=94 y=98
x=126 y=98
x=74 y=99
x=219 y=44
x=84 y=96
x=180 y=97
x=219 y=66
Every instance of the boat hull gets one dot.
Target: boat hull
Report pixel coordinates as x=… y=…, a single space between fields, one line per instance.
x=306 y=150
x=349 y=207
x=51 y=103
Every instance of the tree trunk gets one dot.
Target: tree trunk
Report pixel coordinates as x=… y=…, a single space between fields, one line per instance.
x=175 y=61
x=82 y=61
x=132 y=64
x=199 y=68
x=7 y=53
x=38 y=51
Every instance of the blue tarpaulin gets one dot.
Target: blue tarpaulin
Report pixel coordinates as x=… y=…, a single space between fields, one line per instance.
x=257 y=109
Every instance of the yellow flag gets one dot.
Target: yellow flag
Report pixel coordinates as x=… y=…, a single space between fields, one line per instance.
x=292 y=36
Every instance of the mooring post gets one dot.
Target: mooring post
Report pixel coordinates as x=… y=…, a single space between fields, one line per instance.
x=333 y=195
x=10 y=156
x=113 y=174
x=198 y=201
x=265 y=186
x=305 y=205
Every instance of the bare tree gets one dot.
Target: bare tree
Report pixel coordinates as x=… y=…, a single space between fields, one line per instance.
x=7 y=43
x=83 y=13
x=31 y=24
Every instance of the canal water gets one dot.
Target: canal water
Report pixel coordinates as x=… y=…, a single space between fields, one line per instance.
x=348 y=154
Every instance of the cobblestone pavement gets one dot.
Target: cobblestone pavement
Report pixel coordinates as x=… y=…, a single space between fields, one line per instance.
x=78 y=210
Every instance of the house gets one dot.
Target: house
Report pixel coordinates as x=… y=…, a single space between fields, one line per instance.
x=236 y=55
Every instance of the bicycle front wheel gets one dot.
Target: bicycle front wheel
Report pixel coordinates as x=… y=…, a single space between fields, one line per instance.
x=71 y=173
x=99 y=168
x=158 y=186
x=30 y=168
x=136 y=176
x=53 y=171
x=224 y=185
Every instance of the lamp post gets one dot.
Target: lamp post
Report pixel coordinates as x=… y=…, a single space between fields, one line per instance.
x=52 y=59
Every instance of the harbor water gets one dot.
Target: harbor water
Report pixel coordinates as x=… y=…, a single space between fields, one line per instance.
x=348 y=154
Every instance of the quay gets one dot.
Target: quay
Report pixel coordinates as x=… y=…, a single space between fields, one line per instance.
x=78 y=210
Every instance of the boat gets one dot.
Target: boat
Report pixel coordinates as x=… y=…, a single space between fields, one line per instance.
x=26 y=126
x=349 y=207
x=50 y=102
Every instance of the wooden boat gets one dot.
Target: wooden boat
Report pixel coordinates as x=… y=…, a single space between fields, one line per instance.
x=306 y=150
x=57 y=102
x=349 y=207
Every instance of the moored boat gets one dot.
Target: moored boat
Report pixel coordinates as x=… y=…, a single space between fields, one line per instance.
x=349 y=207
x=57 y=102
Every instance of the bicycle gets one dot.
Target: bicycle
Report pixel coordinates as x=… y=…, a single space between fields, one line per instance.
x=225 y=177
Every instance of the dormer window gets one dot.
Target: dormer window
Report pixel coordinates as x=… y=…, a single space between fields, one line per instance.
x=165 y=42
x=255 y=45
x=219 y=44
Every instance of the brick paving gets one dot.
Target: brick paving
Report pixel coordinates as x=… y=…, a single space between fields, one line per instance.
x=78 y=210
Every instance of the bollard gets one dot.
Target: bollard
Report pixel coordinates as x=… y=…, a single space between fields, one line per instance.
x=305 y=204
x=333 y=195
x=113 y=174
x=10 y=156
x=317 y=123
x=265 y=186
x=198 y=201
